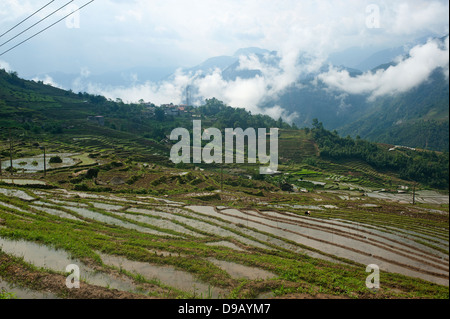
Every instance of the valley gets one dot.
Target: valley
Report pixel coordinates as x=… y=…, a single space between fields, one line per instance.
x=148 y=229
x=92 y=185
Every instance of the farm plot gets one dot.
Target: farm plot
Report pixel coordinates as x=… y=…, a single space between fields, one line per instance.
x=163 y=248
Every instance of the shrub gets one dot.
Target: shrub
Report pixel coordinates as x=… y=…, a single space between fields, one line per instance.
x=81 y=187
x=92 y=172
x=55 y=159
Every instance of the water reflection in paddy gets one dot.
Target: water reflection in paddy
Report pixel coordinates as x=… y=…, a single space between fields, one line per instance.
x=58 y=260
x=168 y=275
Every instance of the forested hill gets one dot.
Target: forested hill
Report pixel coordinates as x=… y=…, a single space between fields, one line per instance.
x=418 y=118
x=39 y=108
x=42 y=112
x=428 y=168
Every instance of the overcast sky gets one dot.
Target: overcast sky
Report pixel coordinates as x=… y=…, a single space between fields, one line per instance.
x=119 y=34
x=111 y=35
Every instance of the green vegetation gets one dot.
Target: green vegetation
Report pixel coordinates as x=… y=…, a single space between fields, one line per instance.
x=294 y=272
x=55 y=159
x=6 y=295
x=418 y=118
x=124 y=164
x=429 y=168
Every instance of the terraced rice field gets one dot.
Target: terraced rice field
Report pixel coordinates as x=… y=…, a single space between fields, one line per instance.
x=149 y=246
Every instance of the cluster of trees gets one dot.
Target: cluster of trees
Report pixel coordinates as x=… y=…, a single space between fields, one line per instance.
x=159 y=125
x=426 y=167
x=231 y=117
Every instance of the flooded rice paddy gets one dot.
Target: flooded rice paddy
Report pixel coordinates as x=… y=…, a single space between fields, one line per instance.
x=419 y=251
x=36 y=163
x=57 y=260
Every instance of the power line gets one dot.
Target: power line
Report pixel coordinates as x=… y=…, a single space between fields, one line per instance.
x=27 y=18
x=36 y=23
x=46 y=28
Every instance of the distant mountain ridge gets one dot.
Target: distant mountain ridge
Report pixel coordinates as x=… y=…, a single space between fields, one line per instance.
x=417 y=118
x=400 y=119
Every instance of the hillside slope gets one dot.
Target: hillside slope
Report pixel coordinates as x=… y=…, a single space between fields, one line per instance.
x=43 y=114
x=418 y=118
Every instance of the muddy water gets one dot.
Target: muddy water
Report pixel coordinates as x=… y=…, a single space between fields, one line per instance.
x=201 y=226
x=406 y=236
x=16 y=193
x=22 y=181
x=355 y=228
x=58 y=260
x=333 y=244
x=312 y=207
x=114 y=221
x=24 y=293
x=39 y=160
x=238 y=271
x=168 y=275
x=325 y=235
x=108 y=207
x=225 y=244
x=162 y=200
x=13 y=207
x=162 y=223
x=428 y=197
x=55 y=212
x=265 y=238
x=66 y=203
x=316 y=238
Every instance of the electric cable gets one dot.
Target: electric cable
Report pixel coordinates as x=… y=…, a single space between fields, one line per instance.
x=36 y=23
x=46 y=28
x=27 y=18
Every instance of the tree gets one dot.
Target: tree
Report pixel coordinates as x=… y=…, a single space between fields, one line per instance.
x=159 y=115
x=55 y=159
x=316 y=124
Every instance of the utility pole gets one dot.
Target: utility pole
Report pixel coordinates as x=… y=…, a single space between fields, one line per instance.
x=187 y=95
x=45 y=162
x=10 y=152
x=10 y=149
x=414 y=193
x=221 y=177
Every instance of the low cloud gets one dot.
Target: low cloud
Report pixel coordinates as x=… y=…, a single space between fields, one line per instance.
x=275 y=75
x=158 y=93
x=5 y=66
x=408 y=73
x=48 y=80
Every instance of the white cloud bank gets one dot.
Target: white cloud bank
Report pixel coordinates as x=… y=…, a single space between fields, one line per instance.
x=248 y=93
x=274 y=78
x=47 y=80
x=5 y=66
x=407 y=74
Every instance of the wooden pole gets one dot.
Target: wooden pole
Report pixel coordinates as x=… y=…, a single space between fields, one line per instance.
x=45 y=164
x=10 y=152
x=221 y=177
x=414 y=194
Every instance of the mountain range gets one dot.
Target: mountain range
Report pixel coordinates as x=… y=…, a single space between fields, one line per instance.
x=415 y=118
